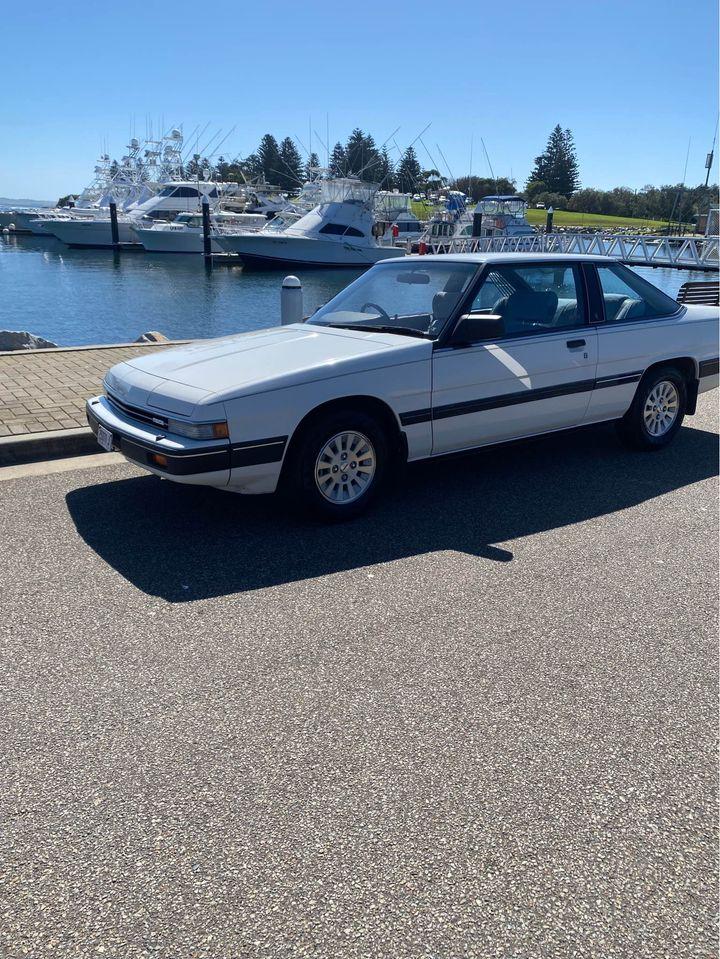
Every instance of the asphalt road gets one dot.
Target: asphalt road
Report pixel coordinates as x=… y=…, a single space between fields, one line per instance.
x=479 y=722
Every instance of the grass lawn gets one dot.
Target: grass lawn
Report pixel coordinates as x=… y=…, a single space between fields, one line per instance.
x=564 y=218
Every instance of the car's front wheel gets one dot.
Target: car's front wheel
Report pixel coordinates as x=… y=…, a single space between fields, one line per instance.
x=657 y=411
x=337 y=465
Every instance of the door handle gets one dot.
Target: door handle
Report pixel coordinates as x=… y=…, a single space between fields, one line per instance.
x=575 y=344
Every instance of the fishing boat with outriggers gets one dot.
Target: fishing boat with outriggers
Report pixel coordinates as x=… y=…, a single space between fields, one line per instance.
x=337 y=232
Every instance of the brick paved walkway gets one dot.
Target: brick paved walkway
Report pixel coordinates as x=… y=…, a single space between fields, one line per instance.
x=46 y=389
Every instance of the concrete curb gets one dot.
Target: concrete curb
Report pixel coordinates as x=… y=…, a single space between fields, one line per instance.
x=52 y=444
x=98 y=346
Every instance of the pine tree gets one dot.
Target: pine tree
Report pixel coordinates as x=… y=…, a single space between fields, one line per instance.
x=386 y=170
x=312 y=166
x=408 y=171
x=268 y=158
x=193 y=170
x=557 y=167
x=222 y=169
x=363 y=159
x=291 y=166
x=572 y=167
x=338 y=161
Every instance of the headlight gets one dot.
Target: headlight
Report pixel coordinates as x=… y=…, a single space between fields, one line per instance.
x=199 y=431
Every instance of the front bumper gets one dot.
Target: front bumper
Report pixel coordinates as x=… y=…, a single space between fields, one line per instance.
x=186 y=461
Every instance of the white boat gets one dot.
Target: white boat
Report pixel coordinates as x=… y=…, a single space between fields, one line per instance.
x=501 y=216
x=264 y=198
x=394 y=210
x=185 y=233
x=337 y=232
x=179 y=196
x=130 y=181
x=35 y=221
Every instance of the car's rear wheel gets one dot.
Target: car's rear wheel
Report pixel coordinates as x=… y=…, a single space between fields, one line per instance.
x=657 y=411
x=337 y=465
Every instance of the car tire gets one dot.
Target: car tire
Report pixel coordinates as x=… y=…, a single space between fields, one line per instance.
x=337 y=465
x=657 y=412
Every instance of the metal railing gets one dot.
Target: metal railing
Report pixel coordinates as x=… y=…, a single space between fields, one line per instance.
x=693 y=253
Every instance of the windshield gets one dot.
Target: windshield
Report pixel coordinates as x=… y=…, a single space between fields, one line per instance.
x=415 y=298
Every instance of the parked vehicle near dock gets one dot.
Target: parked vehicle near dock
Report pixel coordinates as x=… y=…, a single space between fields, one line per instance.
x=418 y=358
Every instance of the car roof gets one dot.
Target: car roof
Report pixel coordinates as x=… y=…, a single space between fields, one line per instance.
x=481 y=258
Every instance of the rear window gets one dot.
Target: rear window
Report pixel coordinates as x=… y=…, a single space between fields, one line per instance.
x=627 y=297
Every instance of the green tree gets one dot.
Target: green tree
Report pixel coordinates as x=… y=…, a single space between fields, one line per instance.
x=193 y=171
x=362 y=157
x=267 y=162
x=386 y=170
x=291 y=166
x=338 y=161
x=477 y=187
x=312 y=166
x=408 y=171
x=557 y=166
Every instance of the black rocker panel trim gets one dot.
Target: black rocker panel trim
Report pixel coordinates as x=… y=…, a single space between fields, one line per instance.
x=415 y=416
x=709 y=367
x=512 y=399
x=255 y=452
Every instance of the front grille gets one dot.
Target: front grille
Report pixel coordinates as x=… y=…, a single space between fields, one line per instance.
x=144 y=416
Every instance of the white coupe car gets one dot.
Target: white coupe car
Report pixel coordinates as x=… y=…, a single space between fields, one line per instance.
x=420 y=357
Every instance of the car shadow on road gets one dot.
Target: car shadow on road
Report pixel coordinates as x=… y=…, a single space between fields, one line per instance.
x=186 y=543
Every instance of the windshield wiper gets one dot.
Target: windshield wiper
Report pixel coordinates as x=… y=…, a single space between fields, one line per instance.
x=368 y=328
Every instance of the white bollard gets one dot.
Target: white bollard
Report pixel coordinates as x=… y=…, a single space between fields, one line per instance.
x=291 y=301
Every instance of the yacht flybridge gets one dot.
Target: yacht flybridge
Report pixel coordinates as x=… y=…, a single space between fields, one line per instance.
x=492 y=216
x=501 y=216
x=393 y=209
x=337 y=232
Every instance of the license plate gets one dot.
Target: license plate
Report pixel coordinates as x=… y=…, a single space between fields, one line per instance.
x=104 y=438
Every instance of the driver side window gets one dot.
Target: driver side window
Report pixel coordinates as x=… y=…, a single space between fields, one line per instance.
x=532 y=299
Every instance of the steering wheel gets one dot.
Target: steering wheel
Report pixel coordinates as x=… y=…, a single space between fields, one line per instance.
x=378 y=309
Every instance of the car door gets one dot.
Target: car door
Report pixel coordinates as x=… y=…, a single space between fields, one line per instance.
x=536 y=377
x=638 y=326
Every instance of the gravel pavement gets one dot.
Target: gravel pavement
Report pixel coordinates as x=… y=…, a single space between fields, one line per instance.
x=478 y=722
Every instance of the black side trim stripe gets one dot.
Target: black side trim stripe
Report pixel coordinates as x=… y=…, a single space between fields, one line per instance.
x=255 y=452
x=709 y=367
x=414 y=417
x=511 y=399
x=619 y=379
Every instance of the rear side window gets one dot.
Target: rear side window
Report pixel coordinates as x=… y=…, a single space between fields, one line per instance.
x=627 y=297
x=533 y=299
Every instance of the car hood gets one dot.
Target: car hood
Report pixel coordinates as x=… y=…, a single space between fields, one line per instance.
x=209 y=371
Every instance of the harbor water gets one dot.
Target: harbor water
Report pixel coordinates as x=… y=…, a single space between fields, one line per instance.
x=80 y=297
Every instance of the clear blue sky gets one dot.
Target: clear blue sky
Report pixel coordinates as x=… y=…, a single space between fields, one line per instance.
x=633 y=79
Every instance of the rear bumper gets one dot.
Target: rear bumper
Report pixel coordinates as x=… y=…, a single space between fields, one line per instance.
x=185 y=461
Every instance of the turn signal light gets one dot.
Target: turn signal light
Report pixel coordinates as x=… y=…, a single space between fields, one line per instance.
x=158 y=459
x=220 y=431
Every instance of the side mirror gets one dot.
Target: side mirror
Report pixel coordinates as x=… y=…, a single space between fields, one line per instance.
x=472 y=327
